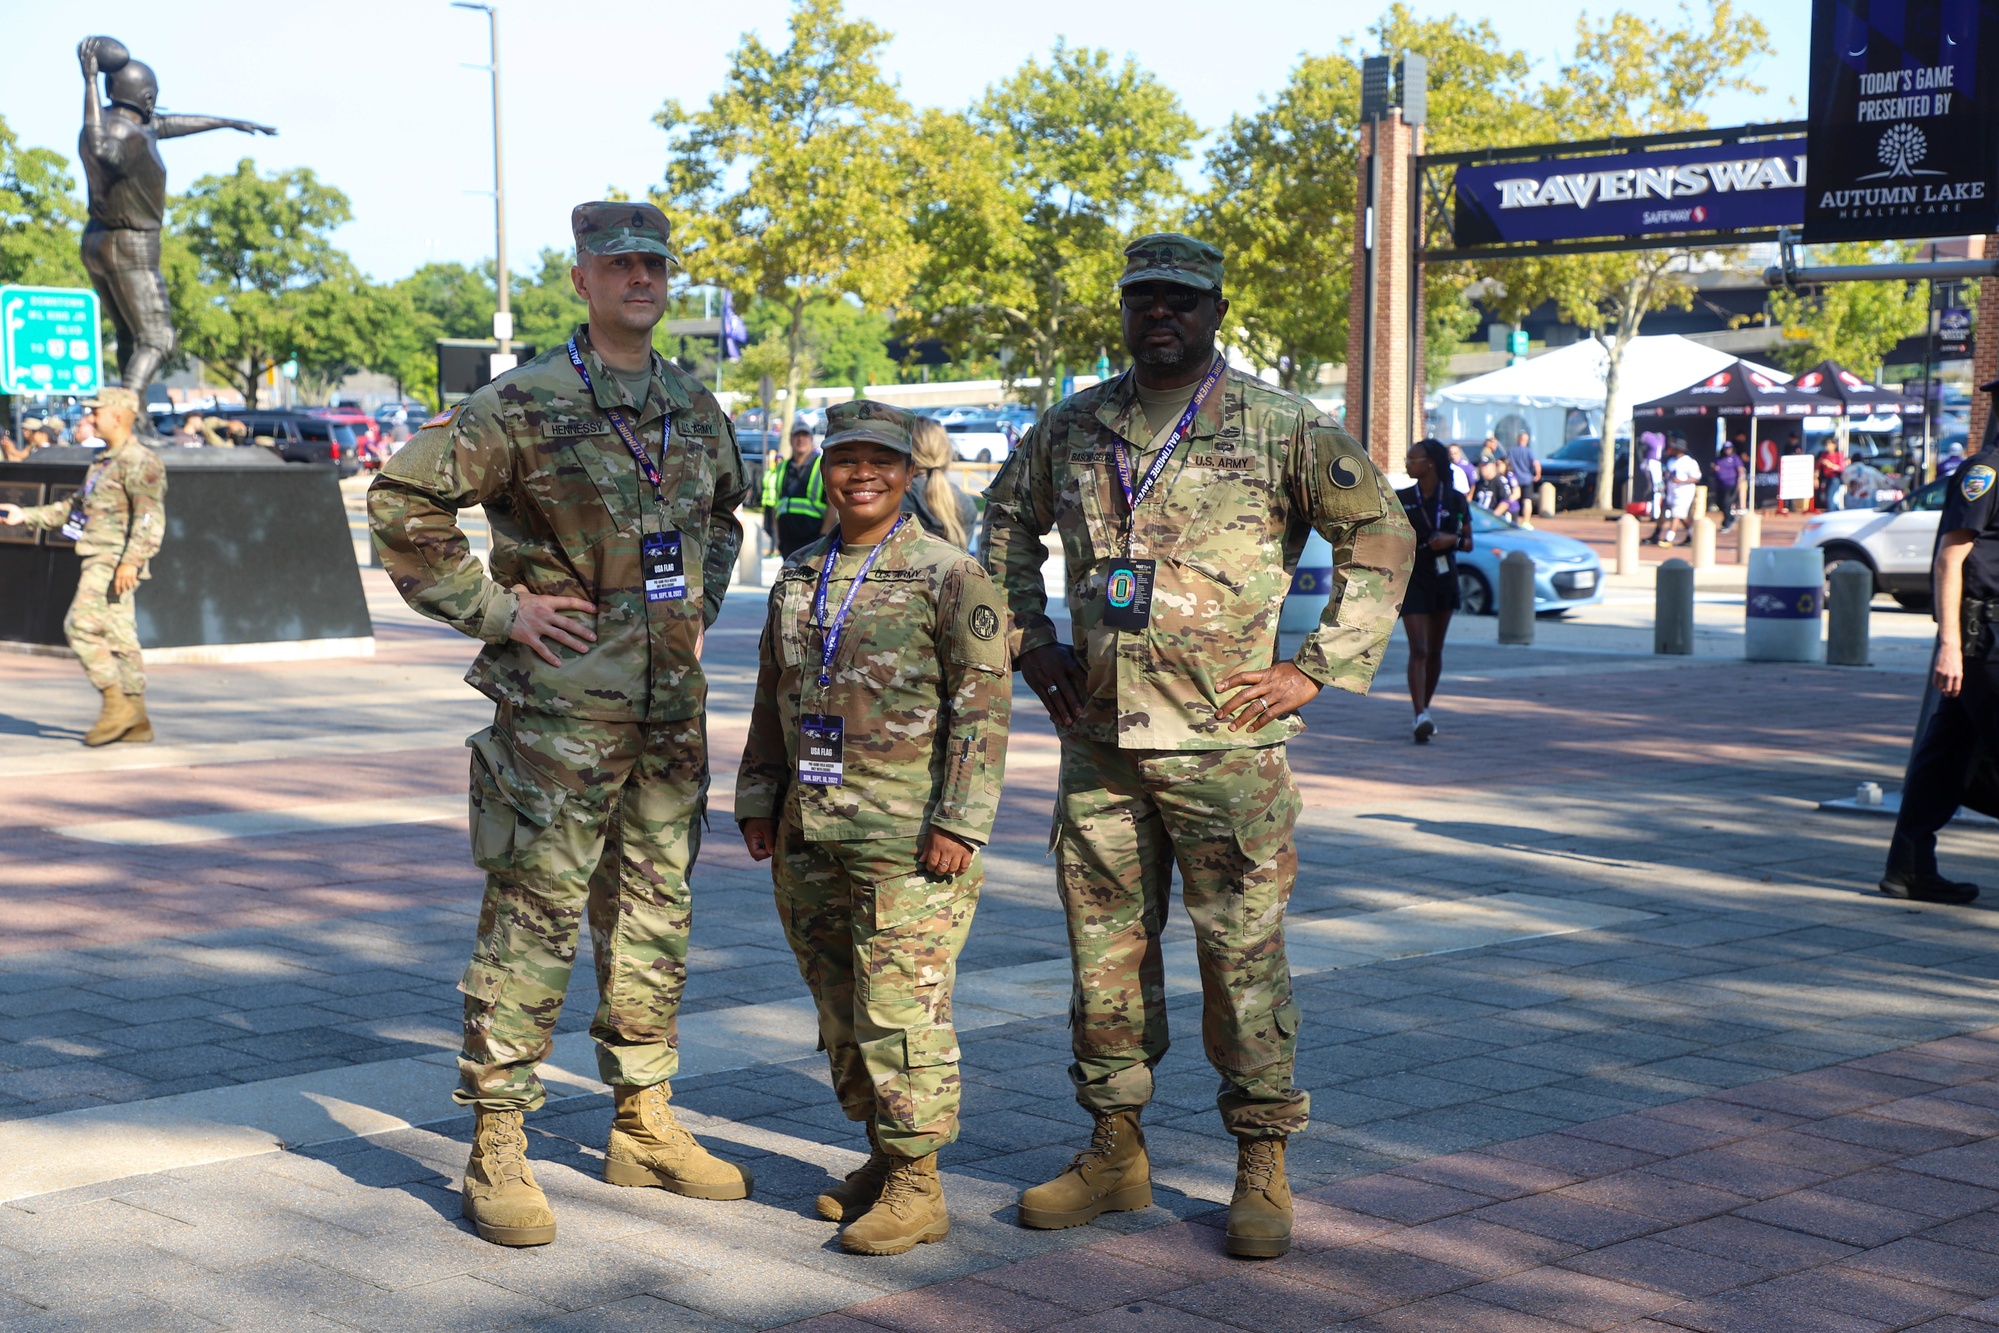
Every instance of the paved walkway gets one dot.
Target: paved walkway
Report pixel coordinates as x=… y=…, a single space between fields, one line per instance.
x=1604 y=1023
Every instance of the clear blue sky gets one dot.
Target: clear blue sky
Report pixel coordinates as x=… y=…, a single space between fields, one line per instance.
x=372 y=96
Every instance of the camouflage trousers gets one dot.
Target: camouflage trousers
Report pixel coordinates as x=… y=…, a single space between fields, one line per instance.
x=877 y=939
x=1124 y=819
x=102 y=629
x=568 y=816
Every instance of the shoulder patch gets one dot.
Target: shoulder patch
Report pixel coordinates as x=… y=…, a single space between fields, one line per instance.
x=1977 y=481
x=1343 y=472
x=442 y=418
x=985 y=621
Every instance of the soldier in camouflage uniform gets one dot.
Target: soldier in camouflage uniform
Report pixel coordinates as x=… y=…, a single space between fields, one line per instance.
x=872 y=777
x=610 y=479
x=118 y=519
x=1183 y=492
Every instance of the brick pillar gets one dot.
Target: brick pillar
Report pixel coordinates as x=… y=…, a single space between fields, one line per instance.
x=1985 y=342
x=1398 y=319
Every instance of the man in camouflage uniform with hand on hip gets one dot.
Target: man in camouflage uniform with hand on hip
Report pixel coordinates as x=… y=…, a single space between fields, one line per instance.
x=117 y=519
x=1182 y=490
x=610 y=479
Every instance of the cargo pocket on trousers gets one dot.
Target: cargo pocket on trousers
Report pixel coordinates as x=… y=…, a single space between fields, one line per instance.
x=510 y=801
x=924 y=1048
x=1262 y=836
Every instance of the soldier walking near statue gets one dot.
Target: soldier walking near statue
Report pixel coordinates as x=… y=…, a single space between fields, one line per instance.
x=1180 y=489
x=127 y=180
x=117 y=519
x=611 y=480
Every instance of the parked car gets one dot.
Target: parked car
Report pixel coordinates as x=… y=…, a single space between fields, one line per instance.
x=1573 y=468
x=371 y=449
x=298 y=438
x=1896 y=542
x=1567 y=572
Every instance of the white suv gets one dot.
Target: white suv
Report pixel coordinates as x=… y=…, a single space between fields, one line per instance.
x=1896 y=542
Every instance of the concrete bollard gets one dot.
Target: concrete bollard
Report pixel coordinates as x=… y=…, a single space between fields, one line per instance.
x=1516 y=598
x=750 y=555
x=1700 y=503
x=1702 y=533
x=1627 y=545
x=1847 y=609
x=1673 y=609
x=1311 y=585
x=1544 y=502
x=1783 y=604
x=1748 y=534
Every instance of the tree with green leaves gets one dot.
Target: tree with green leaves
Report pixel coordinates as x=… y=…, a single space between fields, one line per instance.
x=1282 y=193
x=267 y=284
x=790 y=184
x=1280 y=205
x=1631 y=76
x=1853 y=323
x=1025 y=205
x=41 y=219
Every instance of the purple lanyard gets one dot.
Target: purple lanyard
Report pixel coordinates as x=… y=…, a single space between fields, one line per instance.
x=624 y=429
x=1134 y=497
x=838 y=627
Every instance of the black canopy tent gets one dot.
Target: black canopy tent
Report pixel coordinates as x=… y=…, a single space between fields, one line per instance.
x=1858 y=397
x=1702 y=412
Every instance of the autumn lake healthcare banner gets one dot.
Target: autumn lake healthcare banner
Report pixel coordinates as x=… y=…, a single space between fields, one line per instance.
x=1714 y=187
x=1904 y=119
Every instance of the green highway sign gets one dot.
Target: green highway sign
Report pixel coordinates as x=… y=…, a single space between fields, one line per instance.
x=48 y=341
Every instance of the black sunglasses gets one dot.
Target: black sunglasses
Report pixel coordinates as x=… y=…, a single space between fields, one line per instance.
x=1180 y=300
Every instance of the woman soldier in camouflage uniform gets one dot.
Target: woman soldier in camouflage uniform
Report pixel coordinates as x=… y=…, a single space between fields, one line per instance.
x=870 y=781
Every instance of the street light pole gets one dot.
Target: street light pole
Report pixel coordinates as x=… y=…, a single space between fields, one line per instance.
x=503 y=322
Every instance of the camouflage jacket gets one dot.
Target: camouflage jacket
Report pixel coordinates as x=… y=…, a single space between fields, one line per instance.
x=921 y=681
x=567 y=506
x=125 y=510
x=1225 y=522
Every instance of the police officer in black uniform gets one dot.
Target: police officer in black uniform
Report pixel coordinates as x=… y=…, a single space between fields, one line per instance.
x=1964 y=730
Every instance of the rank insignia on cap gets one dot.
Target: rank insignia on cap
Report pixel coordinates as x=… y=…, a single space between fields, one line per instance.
x=1977 y=481
x=1343 y=473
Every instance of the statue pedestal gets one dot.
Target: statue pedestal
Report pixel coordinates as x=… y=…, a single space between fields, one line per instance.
x=258 y=563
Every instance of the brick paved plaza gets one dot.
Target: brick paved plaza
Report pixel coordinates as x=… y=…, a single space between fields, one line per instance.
x=1605 y=1027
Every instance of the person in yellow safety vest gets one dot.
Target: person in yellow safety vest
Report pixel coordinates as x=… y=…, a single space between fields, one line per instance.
x=796 y=494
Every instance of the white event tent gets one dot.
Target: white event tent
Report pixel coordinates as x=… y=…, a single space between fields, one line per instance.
x=1539 y=394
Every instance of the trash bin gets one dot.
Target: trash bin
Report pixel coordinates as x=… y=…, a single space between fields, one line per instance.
x=1784 y=605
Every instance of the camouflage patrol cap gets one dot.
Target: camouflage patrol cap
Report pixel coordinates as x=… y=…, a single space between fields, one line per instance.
x=1168 y=256
x=606 y=228
x=866 y=419
x=114 y=397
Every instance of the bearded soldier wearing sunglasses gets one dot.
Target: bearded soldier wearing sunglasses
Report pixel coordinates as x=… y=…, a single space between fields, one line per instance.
x=1182 y=491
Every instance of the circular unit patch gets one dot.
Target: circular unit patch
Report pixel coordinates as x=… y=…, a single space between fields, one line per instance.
x=985 y=621
x=1343 y=472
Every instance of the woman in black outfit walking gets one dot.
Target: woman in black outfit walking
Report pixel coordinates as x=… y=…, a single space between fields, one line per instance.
x=1441 y=517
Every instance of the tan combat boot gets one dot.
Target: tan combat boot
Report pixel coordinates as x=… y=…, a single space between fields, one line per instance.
x=1260 y=1213
x=142 y=729
x=862 y=1187
x=500 y=1197
x=909 y=1213
x=1112 y=1175
x=648 y=1147
x=115 y=719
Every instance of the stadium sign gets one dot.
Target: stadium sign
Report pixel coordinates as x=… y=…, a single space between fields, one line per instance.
x=1714 y=187
x=1904 y=134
